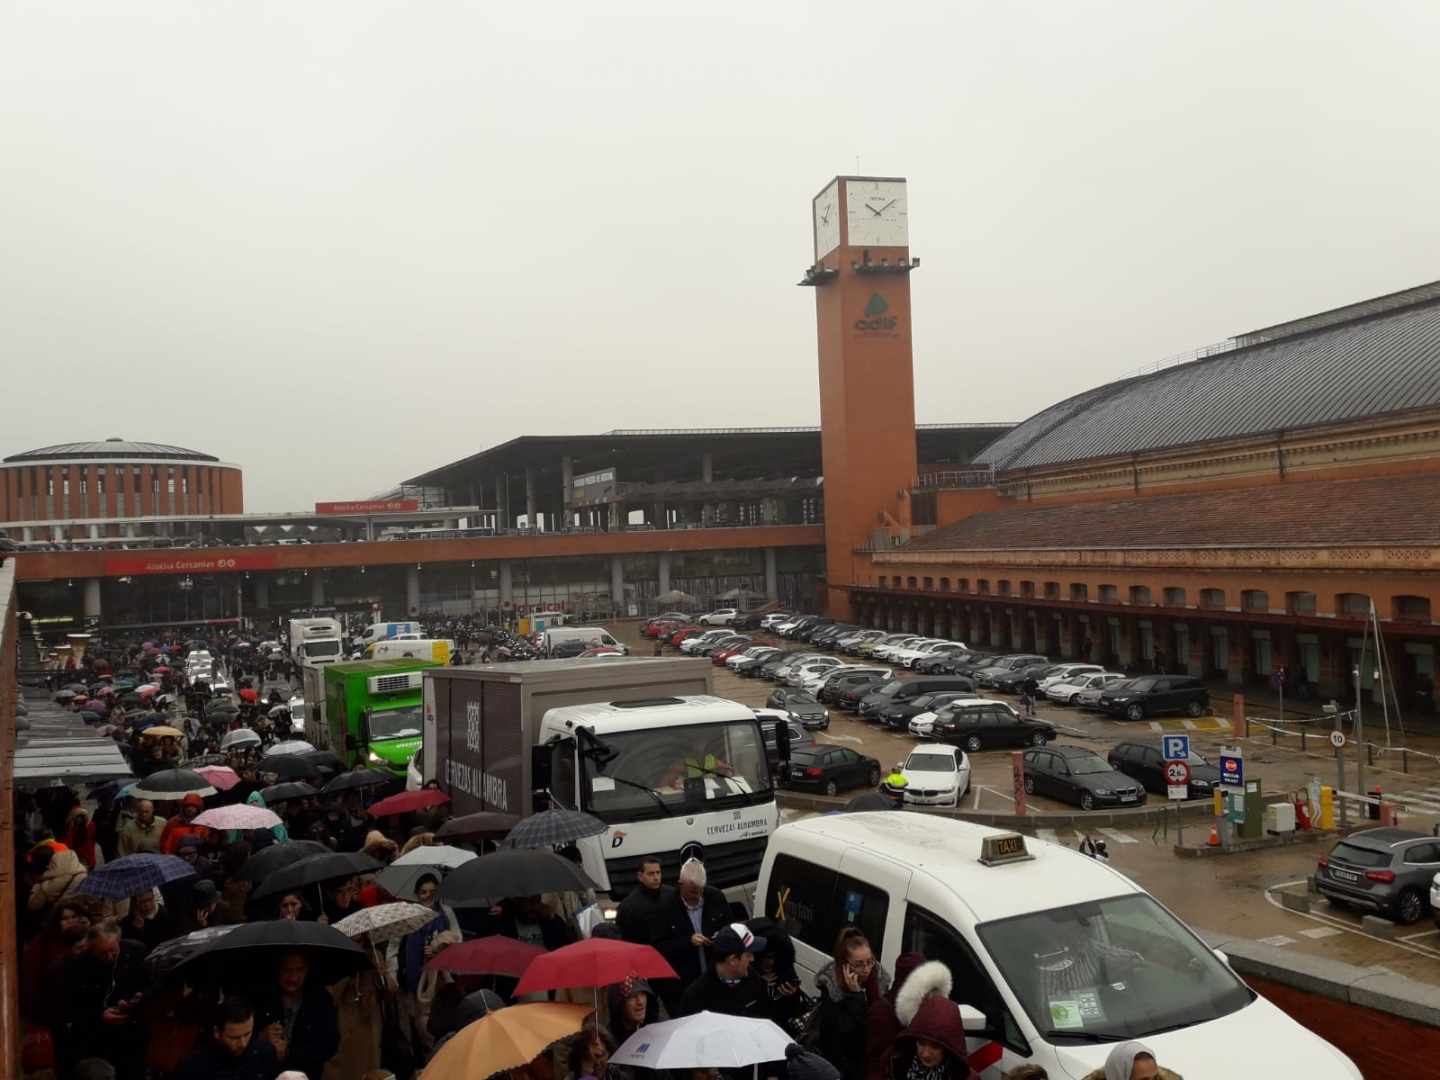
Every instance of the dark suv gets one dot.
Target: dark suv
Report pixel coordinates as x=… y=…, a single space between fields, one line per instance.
x=1151 y=694
x=1382 y=870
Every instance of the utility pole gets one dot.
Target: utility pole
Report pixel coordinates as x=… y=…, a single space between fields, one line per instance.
x=1359 y=733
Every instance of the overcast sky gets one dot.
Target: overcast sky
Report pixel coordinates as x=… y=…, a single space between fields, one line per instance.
x=342 y=241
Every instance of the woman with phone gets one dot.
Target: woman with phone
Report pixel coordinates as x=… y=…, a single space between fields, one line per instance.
x=848 y=987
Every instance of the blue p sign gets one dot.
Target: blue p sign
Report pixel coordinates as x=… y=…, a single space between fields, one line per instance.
x=1175 y=747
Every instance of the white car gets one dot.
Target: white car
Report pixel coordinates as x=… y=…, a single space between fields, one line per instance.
x=752 y=653
x=887 y=652
x=813 y=680
x=798 y=674
x=1089 y=698
x=1069 y=691
x=1068 y=673
x=936 y=774
x=718 y=617
x=697 y=641
x=908 y=657
x=774 y=619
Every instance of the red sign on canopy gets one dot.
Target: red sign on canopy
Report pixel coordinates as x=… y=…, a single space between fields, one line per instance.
x=174 y=562
x=369 y=506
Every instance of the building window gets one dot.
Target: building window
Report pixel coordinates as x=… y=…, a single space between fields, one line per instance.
x=1212 y=599
x=1411 y=608
x=962 y=584
x=929 y=584
x=100 y=483
x=1140 y=595
x=1353 y=604
x=1255 y=600
x=1003 y=587
x=1052 y=590
x=944 y=584
x=982 y=586
x=1174 y=597
x=66 y=483
x=1109 y=594
x=84 y=486
x=1080 y=593
x=909 y=582
x=880 y=581
x=1300 y=603
x=1027 y=588
x=135 y=479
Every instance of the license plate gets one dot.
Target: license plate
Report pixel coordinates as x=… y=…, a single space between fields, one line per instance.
x=797 y=772
x=1128 y=798
x=1344 y=875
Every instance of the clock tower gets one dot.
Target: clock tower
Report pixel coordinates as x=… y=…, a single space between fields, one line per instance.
x=861 y=278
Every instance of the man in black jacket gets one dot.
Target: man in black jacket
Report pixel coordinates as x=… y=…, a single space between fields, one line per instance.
x=699 y=912
x=729 y=987
x=644 y=915
x=98 y=991
x=235 y=1054
x=299 y=1019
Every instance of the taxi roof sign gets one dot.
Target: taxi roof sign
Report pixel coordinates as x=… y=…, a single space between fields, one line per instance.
x=1002 y=848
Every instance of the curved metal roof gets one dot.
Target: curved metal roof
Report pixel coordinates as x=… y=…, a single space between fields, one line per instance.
x=1373 y=365
x=113 y=447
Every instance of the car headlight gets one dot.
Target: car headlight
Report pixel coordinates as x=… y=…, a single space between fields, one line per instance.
x=1103 y=791
x=1200 y=783
x=373 y=758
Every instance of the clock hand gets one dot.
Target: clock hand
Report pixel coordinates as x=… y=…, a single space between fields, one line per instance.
x=873 y=210
x=887 y=206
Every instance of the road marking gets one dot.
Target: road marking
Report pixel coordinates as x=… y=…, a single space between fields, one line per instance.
x=1327 y=920
x=1007 y=798
x=1316 y=933
x=1189 y=724
x=1047 y=834
x=843 y=738
x=1156 y=726
x=1118 y=836
x=1423 y=933
x=1277 y=941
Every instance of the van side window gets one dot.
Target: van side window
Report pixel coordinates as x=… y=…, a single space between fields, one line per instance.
x=813 y=903
x=562 y=774
x=932 y=938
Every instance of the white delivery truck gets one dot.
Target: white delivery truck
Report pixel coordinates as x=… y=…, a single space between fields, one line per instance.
x=385 y=631
x=641 y=744
x=567 y=641
x=315 y=641
x=440 y=650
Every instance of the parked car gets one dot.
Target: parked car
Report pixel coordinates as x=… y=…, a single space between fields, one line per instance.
x=726 y=649
x=1065 y=672
x=749 y=661
x=983 y=724
x=770 y=722
x=910 y=657
x=718 y=617
x=936 y=774
x=818 y=679
x=960 y=663
x=1153 y=694
x=831 y=769
x=899 y=714
x=1388 y=871
x=808 y=712
x=1014 y=680
x=796 y=675
x=896 y=691
x=772 y=619
x=1089 y=698
x=849 y=698
x=986 y=676
x=887 y=651
x=1144 y=763
x=684 y=634
x=868 y=648
x=693 y=642
x=746 y=620
x=1069 y=690
x=1076 y=775
x=846 y=678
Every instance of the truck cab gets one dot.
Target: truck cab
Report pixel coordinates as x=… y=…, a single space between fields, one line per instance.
x=316 y=641
x=369 y=712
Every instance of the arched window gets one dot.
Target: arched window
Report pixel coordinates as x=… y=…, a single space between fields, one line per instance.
x=1140 y=595
x=1212 y=599
x=1175 y=597
x=1255 y=600
x=1300 y=603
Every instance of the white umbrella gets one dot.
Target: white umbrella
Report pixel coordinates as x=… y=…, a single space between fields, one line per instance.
x=239 y=737
x=436 y=855
x=705 y=1040
x=291 y=746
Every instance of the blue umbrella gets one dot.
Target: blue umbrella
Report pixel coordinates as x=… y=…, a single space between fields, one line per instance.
x=131 y=875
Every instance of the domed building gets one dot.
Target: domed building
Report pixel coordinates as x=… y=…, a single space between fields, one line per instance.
x=1231 y=515
x=79 y=486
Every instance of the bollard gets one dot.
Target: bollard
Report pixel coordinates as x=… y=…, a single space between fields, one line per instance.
x=1404 y=759
x=1302 y=740
x=1327 y=807
x=1274 y=737
x=1370 y=752
x=1238 y=718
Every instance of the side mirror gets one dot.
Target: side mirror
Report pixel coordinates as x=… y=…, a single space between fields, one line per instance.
x=1221 y=956
x=972 y=1019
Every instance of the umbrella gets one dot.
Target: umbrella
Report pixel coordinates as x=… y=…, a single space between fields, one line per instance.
x=172 y=784
x=161 y=669
x=407 y=801
x=278 y=793
x=95 y=705
x=492 y=955
x=288 y=767
x=704 y=1040
x=89 y=716
x=289 y=746
x=386 y=922
x=870 y=800
x=324 y=759
x=239 y=737
x=553 y=828
x=278 y=856
x=146 y=690
x=221 y=777
x=436 y=855
x=165 y=730
x=248 y=696
x=169 y=955
x=486 y=823
x=332 y=955
x=513 y=872
x=505 y=1039
x=238 y=816
x=65 y=695
x=314 y=870
x=77 y=688
x=356 y=779
x=132 y=874
x=594 y=962
x=401 y=881
x=276 y=712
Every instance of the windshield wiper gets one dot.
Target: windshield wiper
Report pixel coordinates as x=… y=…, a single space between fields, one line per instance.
x=659 y=801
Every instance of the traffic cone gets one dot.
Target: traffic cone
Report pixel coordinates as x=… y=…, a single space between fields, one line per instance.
x=1214 y=840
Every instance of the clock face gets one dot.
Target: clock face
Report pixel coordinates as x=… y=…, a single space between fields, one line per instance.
x=827 y=220
x=876 y=213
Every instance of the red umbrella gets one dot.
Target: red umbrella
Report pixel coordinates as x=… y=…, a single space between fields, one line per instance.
x=593 y=962
x=160 y=669
x=407 y=801
x=248 y=695
x=493 y=955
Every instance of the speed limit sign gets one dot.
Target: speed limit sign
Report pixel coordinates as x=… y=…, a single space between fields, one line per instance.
x=1337 y=739
x=1177 y=773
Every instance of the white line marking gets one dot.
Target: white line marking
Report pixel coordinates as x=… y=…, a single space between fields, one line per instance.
x=1325 y=920
x=1277 y=940
x=843 y=738
x=1423 y=933
x=1155 y=726
x=1316 y=933
x=1190 y=724
x=1118 y=836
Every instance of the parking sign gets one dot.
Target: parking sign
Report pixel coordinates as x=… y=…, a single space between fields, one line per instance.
x=1232 y=768
x=1175 y=747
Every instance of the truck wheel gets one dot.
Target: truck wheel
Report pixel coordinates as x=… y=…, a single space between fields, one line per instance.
x=973 y=744
x=1195 y=708
x=1134 y=712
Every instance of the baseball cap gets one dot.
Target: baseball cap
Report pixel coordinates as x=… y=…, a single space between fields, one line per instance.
x=737 y=938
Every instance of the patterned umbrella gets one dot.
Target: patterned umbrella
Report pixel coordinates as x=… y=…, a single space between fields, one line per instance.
x=172 y=784
x=436 y=855
x=131 y=875
x=385 y=922
x=238 y=816
x=553 y=828
x=221 y=777
x=169 y=955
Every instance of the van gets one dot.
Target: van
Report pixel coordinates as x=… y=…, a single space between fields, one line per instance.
x=436 y=650
x=1055 y=957
x=899 y=691
x=562 y=641
x=384 y=631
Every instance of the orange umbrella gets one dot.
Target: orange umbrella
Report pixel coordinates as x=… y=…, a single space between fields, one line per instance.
x=505 y=1039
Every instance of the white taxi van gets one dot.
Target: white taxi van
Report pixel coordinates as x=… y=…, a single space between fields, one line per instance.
x=1055 y=956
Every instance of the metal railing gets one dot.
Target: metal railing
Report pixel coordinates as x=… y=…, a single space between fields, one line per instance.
x=978 y=477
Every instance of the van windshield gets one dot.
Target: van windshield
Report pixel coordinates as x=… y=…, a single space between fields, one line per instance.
x=1111 y=970
x=670 y=770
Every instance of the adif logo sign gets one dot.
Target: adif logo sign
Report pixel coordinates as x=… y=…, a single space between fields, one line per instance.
x=876 y=319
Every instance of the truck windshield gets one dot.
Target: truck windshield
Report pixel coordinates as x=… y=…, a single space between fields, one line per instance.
x=1105 y=971
x=677 y=769
x=321 y=648
x=396 y=724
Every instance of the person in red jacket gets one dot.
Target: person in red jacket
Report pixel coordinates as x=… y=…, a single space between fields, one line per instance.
x=179 y=826
x=932 y=1046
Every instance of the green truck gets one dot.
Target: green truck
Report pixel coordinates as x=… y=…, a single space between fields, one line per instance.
x=368 y=712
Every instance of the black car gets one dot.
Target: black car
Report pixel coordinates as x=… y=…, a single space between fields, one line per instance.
x=849 y=699
x=800 y=739
x=801 y=706
x=807 y=633
x=980 y=724
x=1012 y=682
x=1144 y=763
x=749 y=620
x=749 y=667
x=952 y=663
x=826 y=637
x=834 y=687
x=831 y=769
x=770 y=668
x=1152 y=694
x=898 y=715
x=734 y=641
x=894 y=691
x=1076 y=775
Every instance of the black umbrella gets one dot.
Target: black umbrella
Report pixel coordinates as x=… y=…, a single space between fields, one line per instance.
x=871 y=800
x=169 y=955
x=172 y=784
x=512 y=872
x=252 y=948
x=316 y=869
x=324 y=759
x=553 y=828
x=354 y=780
x=485 y=823
x=288 y=767
x=278 y=793
x=278 y=856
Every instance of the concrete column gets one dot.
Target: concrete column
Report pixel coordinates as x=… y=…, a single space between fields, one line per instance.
x=567 y=480
x=412 y=590
x=707 y=467
x=658 y=517
x=92 y=599
x=262 y=591
x=617 y=584
x=530 y=503
x=664 y=572
x=317 y=589
x=616 y=517
x=1066 y=635
x=507 y=585
x=772 y=578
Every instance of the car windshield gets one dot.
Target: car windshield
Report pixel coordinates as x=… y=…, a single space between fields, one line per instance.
x=930 y=763
x=799 y=698
x=1087 y=765
x=1356 y=855
x=669 y=770
x=321 y=648
x=890 y=689
x=1198 y=759
x=395 y=724
x=1141 y=684
x=1111 y=970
